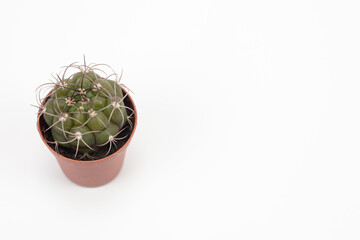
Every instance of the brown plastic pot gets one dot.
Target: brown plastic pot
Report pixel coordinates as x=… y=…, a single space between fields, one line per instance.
x=96 y=172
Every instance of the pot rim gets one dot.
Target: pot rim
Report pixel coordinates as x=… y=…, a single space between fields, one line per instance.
x=97 y=160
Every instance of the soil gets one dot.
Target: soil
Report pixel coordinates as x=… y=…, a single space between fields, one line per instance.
x=98 y=154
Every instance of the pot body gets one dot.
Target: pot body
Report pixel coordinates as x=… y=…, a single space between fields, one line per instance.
x=96 y=172
x=92 y=173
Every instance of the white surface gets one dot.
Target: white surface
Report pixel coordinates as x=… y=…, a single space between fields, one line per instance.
x=248 y=119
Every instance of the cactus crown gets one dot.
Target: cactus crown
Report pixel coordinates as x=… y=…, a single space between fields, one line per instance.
x=85 y=112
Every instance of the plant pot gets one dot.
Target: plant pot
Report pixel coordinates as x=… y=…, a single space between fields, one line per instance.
x=92 y=173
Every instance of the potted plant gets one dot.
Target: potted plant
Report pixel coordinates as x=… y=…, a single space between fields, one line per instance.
x=87 y=120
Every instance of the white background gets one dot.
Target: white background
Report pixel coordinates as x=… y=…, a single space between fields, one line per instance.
x=248 y=119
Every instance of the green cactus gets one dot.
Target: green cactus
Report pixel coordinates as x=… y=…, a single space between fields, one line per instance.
x=85 y=112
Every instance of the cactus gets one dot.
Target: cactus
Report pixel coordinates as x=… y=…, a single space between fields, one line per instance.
x=85 y=112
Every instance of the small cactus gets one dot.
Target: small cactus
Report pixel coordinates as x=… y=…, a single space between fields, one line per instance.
x=85 y=112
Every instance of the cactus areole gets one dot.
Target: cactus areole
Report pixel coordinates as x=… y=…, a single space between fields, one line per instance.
x=86 y=115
